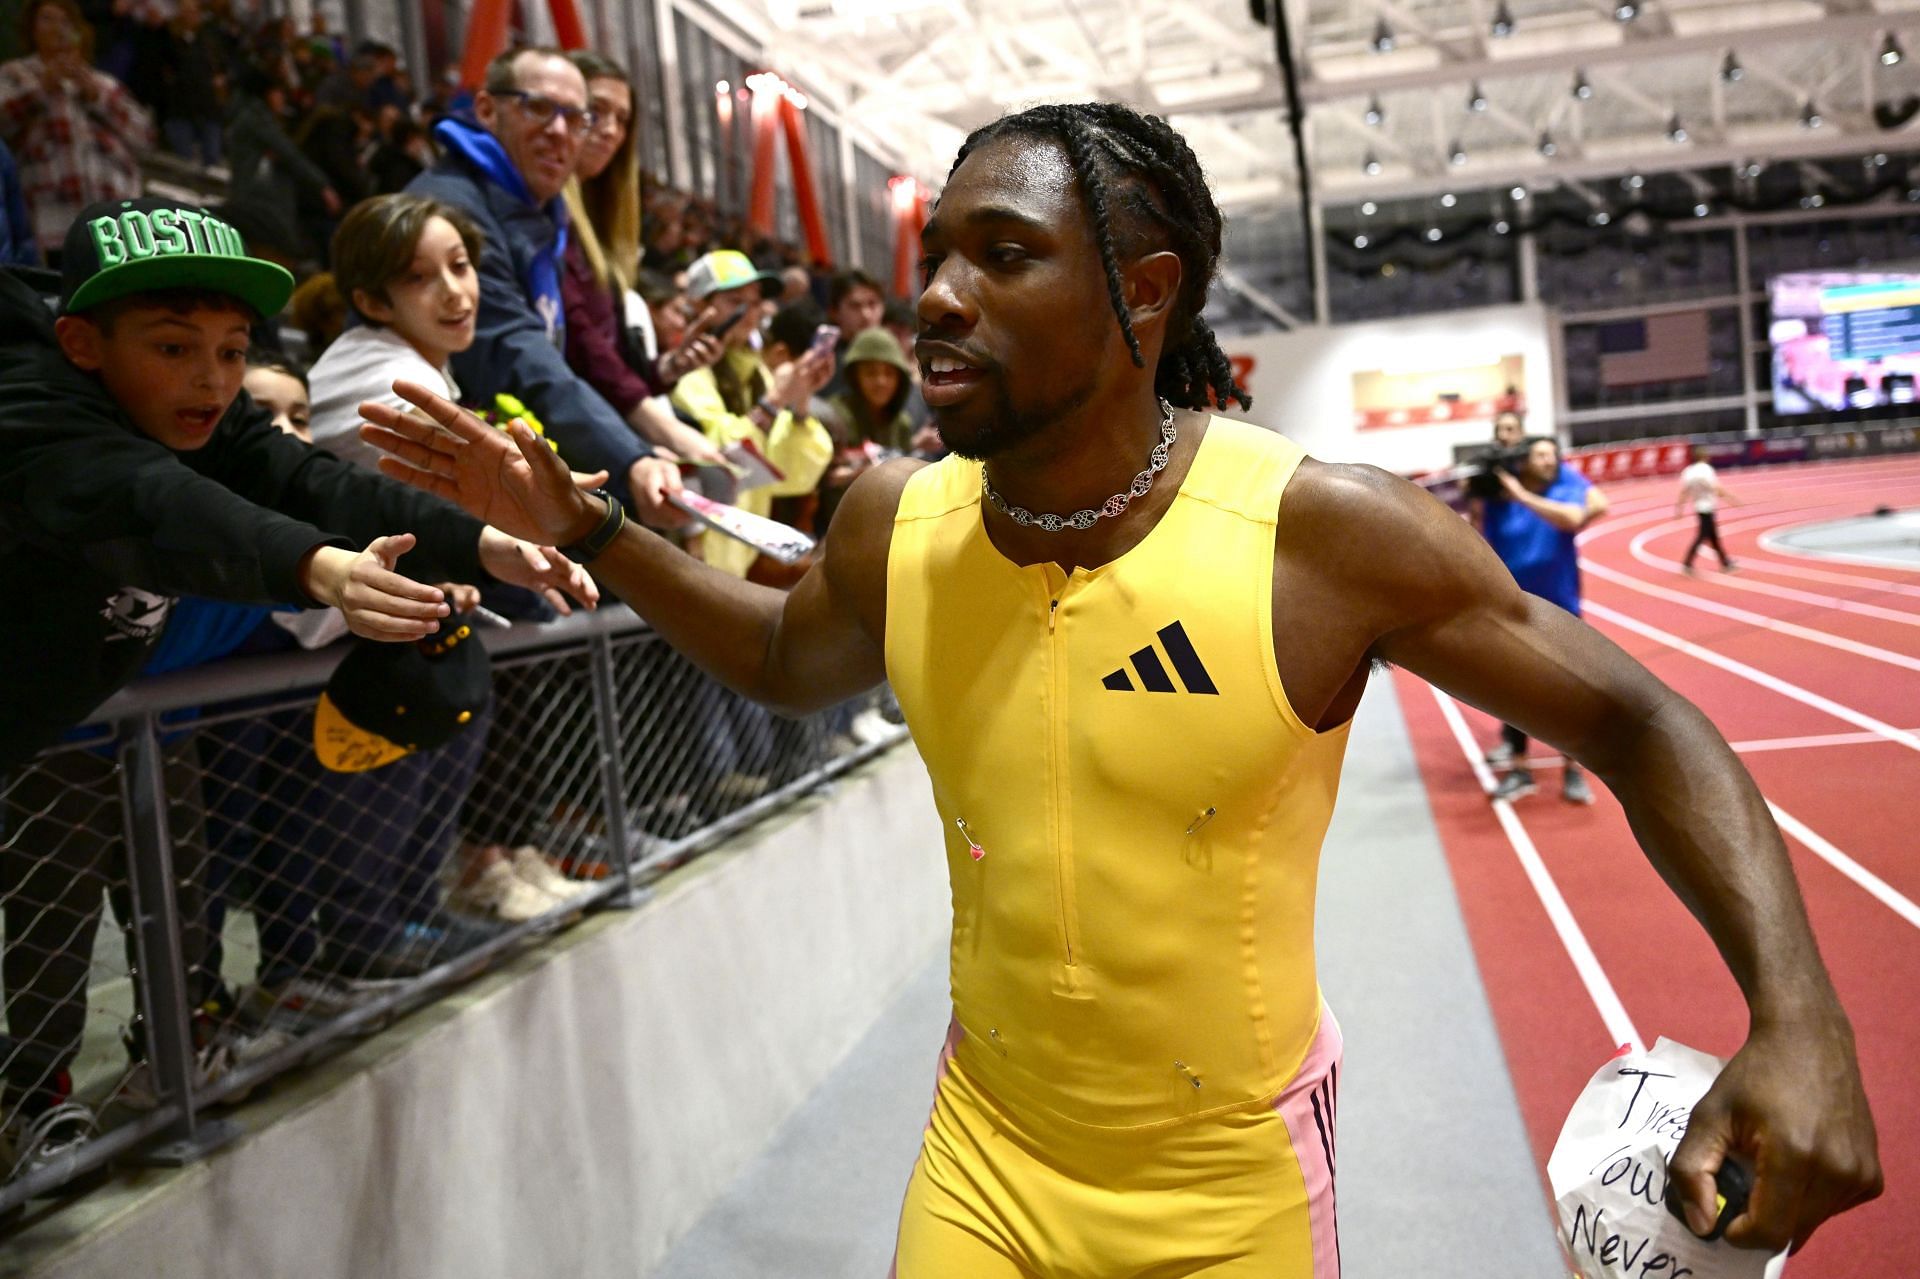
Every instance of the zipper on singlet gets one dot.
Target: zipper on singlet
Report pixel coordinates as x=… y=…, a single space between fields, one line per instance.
x=1061 y=814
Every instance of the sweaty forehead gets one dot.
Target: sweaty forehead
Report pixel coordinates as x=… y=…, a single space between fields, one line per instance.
x=1028 y=177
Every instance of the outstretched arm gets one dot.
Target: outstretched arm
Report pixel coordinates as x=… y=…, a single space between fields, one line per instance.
x=793 y=651
x=1790 y=1103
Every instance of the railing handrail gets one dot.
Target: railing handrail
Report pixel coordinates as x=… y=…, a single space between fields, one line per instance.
x=271 y=673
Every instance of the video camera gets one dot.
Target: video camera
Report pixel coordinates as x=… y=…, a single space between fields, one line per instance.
x=1483 y=481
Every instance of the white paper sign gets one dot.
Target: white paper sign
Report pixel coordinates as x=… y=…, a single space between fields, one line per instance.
x=1608 y=1171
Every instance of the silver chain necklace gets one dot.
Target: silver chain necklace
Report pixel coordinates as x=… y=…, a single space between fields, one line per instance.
x=1112 y=508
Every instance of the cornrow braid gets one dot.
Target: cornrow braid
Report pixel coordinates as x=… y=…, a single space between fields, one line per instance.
x=1138 y=176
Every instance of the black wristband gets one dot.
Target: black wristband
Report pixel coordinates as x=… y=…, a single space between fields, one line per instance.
x=584 y=550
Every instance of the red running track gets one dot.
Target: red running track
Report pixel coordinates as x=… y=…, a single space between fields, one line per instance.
x=1812 y=669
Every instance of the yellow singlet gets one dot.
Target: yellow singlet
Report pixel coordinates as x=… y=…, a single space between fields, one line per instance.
x=1133 y=818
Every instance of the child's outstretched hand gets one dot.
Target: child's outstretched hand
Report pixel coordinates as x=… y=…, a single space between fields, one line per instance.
x=377 y=602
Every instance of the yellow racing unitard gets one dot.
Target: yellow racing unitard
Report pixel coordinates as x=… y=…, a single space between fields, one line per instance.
x=1141 y=1075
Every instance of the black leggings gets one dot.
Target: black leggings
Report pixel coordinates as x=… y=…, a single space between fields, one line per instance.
x=1708 y=533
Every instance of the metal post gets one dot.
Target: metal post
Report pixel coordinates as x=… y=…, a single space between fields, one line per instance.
x=1742 y=284
x=613 y=788
x=667 y=50
x=163 y=968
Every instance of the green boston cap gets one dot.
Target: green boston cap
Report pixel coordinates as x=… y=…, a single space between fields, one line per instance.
x=117 y=247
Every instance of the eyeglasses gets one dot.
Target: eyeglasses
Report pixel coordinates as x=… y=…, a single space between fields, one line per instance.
x=541 y=110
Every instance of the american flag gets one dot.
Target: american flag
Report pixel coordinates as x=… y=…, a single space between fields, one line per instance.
x=1659 y=348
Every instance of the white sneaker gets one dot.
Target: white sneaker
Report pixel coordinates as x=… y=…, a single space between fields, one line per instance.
x=531 y=866
x=500 y=894
x=29 y=1145
x=870 y=727
x=1500 y=755
x=231 y=1047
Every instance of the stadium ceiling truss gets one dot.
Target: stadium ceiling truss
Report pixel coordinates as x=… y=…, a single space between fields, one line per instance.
x=1567 y=92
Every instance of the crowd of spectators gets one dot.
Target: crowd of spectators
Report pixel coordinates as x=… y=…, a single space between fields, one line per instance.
x=506 y=250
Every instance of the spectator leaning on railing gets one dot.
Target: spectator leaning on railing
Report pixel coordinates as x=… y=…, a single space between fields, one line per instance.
x=76 y=133
x=507 y=173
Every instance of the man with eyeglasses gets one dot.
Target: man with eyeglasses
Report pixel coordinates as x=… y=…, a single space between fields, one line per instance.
x=507 y=172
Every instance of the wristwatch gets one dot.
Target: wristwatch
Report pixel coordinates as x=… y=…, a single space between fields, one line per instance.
x=584 y=550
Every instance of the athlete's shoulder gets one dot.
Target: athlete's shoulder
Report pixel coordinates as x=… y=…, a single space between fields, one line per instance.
x=1243 y=468
x=932 y=489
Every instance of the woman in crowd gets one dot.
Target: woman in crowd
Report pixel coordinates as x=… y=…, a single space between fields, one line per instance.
x=76 y=133
x=869 y=419
x=193 y=75
x=407 y=266
x=602 y=261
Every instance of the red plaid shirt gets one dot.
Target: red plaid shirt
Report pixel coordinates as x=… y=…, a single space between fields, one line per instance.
x=71 y=152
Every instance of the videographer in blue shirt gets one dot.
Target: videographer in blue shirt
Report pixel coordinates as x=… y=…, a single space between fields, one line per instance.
x=1532 y=529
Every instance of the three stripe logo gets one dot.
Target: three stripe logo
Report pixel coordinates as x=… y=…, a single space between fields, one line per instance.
x=1153 y=674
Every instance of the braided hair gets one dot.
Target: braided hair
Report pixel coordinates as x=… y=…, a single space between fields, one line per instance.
x=1142 y=185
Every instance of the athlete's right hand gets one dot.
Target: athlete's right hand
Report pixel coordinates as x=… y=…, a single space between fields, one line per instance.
x=378 y=603
x=509 y=479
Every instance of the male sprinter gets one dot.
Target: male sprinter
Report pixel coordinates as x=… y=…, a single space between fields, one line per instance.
x=1134 y=708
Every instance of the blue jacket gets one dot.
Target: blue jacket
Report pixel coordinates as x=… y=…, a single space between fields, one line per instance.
x=518 y=332
x=16 y=229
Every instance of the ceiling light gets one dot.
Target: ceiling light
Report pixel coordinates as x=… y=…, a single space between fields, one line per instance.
x=1890 y=51
x=1810 y=117
x=1369 y=208
x=1518 y=193
x=1548 y=147
x=1448 y=200
x=1676 y=131
x=1582 y=87
x=1877 y=160
x=1433 y=234
x=1501 y=227
x=1700 y=210
x=1602 y=218
x=1360 y=241
x=1752 y=169
x=1626 y=11
x=1502 y=21
x=1456 y=154
x=1636 y=182
x=1375 y=113
x=1371 y=165
x=1382 y=36
x=1476 y=100
x=1730 y=69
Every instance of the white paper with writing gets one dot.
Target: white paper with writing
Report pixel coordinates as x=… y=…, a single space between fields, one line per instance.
x=1608 y=1171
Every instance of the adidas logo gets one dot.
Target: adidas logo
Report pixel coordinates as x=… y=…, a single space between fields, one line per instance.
x=1153 y=675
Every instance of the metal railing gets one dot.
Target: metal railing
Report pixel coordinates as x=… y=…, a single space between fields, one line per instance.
x=271 y=908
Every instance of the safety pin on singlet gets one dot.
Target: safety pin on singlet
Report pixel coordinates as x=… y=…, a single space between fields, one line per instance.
x=1187 y=1074
x=973 y=845
x=1201 y=820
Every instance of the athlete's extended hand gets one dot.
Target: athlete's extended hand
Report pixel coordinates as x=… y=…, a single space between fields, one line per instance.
x=538 y=568
x=377 y=602
x=1791 y=1107
x=509 y=479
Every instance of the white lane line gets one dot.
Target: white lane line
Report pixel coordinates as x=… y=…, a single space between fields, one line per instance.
x=1751 y=618
x=1637 y=548
x=1757 y=746
x=1878 y=728
x=1599 y=989
x=1819 y=846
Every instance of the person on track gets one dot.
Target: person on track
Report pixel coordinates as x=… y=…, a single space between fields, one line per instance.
x=1700 y=487
x=1532 y=529
x=1129 y=637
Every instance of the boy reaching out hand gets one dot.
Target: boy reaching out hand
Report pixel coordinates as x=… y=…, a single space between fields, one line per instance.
x=133 y=469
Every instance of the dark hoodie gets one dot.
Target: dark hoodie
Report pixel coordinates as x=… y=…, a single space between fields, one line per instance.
x=101 y=526
x=518 y=333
